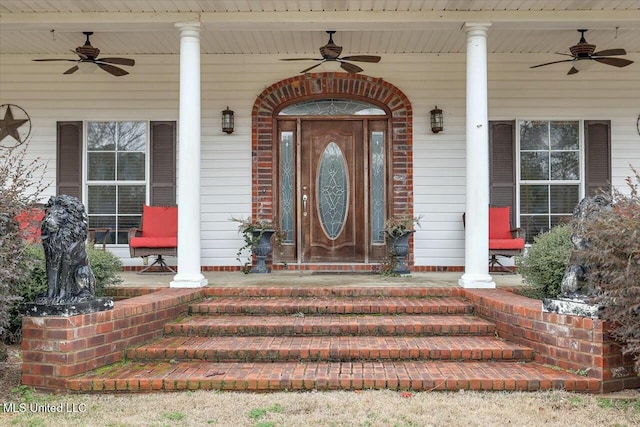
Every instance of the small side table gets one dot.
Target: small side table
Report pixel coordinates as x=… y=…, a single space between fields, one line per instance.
x=105 y=235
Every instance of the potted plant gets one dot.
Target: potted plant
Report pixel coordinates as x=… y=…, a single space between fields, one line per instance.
x=399 y=229
x=257 y=236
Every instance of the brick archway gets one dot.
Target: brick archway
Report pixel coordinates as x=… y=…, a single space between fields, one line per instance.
x=321 y=85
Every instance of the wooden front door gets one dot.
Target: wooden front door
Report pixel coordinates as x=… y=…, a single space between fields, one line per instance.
x=332 y=191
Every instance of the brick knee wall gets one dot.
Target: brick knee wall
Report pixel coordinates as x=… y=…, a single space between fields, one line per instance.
x=569 y=342
x=55 y=348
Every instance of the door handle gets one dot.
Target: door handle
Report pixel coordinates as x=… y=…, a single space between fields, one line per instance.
x=304 y=204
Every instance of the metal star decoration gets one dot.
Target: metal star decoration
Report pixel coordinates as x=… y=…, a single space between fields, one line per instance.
x=9 y=125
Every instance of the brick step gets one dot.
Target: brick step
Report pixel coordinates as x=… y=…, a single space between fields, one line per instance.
x=286 y=290
x=395 y=375
x=334 y=325
x=314 y=348
x=322 y=305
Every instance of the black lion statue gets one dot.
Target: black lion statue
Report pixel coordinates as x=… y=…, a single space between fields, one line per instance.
x=64 y=232
x=575 y=280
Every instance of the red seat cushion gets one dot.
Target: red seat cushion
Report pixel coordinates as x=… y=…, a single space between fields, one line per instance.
x=500 y=223
x=512 y=244
x=153 y=242
x=160 y=221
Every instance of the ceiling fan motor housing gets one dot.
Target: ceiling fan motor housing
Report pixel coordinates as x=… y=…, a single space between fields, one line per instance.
x=88 y=51
x=582 y=49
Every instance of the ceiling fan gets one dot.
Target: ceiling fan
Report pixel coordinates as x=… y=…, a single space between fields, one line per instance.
x=331 y=52
x=89 y=55
x=585 y=51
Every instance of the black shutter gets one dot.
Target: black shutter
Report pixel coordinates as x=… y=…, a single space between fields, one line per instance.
x=502 y=165
x=69 y=159
x=163 y=163
x=597 y=138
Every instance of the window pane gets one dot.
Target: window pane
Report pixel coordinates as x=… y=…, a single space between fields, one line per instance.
x=534 y=225
x=534 y=199
x=286 y=186
x=103 y=222
x=564 y=198
x=132 y=136
x=102 y=199
x=560 y=219
x=377 y=187
x=101 y=167
x=564 y=136
x=130 y=199
x=124 y=224
x=534 y=165
x=565 y=165
x=534 y=135
x=131 y=166
x=332 y=107
x=101 y=135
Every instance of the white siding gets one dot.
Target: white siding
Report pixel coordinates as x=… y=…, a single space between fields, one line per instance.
x=151 y=93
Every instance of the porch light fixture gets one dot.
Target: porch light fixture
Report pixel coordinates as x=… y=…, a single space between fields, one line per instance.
x=436 y=120
x=227 y=120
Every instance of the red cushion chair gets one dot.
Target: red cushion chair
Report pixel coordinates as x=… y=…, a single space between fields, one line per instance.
x=504 y=240
x=157 y=236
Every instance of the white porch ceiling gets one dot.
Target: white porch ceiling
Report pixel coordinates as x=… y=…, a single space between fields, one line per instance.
x=296 y=27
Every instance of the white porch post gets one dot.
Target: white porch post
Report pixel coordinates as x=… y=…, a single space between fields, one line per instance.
x=189 y=275
x=476 y=252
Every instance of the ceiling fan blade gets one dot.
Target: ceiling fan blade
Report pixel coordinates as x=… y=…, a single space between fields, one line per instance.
x=562 y=53
x=115 y=71
x=350 y=68
x=362 y=58
x=119 y=61
x=45 y=60
x=549 y=63
x=306 y=70
x=71 y=70
x=610 y=52
x=573 y=70
x=302 y=59
x=616 y=62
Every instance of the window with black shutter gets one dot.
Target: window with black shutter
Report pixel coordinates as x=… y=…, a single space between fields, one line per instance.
x=548 y=181
x=116 y=178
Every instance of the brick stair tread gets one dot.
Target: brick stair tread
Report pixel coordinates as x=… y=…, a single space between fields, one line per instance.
x=396 y=375
x=387 y=305
x=331 y=325
x=270 y=348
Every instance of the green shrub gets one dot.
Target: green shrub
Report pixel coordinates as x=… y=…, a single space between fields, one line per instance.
x=543 y=265
x=104 y=264
x=614 y=259
x=106 y=267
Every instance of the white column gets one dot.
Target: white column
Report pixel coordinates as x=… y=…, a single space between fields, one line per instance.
x=189 y=275
x=476 y=252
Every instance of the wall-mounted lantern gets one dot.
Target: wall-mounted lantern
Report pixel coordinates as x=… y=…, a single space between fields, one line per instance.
x=437 y=120
x=227 y=121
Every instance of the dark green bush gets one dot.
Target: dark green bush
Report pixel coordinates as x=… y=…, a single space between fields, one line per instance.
x=543 y=265
x=104 y=264
x=614 y=259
